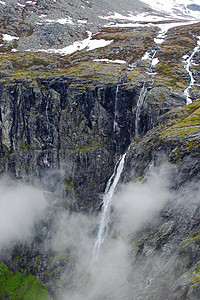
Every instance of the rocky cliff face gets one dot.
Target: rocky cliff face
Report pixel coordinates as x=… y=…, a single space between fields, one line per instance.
x=53 y=130
x=64 y=123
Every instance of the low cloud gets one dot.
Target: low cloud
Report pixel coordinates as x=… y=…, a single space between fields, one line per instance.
x=113 y=275
x=134 y=205
x=138 y=203
x=20 y=207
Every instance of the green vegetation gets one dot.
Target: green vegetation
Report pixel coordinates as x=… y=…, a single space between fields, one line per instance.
x=19 y=286
x=195 y=281
x=171 y=74
x=33 y=65
x=186 y=122
x=127 y=45
x=63 y=256
x=84 y=149
x=170 y=69
x=24 y=146
x=194 y=238
x=69 y=184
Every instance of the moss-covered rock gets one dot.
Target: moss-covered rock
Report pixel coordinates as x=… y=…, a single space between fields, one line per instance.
x=20 y=286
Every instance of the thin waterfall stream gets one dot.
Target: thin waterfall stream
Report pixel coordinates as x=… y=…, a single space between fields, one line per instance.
x=140 y=102
x=107 y=200
x=143 y=92
x=187 y=67
x=116 y=108
x=116 y=127
x=48 y=140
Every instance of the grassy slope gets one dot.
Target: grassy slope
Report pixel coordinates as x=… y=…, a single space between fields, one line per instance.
x=20 y=286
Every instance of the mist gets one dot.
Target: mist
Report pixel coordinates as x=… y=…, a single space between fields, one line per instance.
x=134 y=205
x=116 y=274
x=21 y=206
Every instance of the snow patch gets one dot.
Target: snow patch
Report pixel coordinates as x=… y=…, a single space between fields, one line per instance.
x=30 y=2
x=22 y=5
x=116 y=61
x=3 y=3
x=93 y=44
x=155 y=61
x=42 y=16
x=143 y=17
x=174 y=7
x=146 y=56
x=82 y=21
x=185 y=56
x=9 y=38
x=62 y=21
x=79 y=45
x=158 y=40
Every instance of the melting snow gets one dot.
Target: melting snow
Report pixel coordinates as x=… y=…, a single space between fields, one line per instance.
x=82 y=21
x=62 y=21
x=143 y=17
x=30 y=2
x=9 y=38
x=114 y=15
x=185 y=56
x=93 y=44
x=158 y=40
x=116 y=61
x=22 y=5
x=155 y=61
x=87 y=43
x=3 y=3
x=174 y=7
x=146 y=56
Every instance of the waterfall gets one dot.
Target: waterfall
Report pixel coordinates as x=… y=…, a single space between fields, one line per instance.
x=107 y=200
x=116 y=128
x=46 y=155
x=147 y=171
x=154 y=61
x=140 y=102
x=187 y=67
x=116 y=108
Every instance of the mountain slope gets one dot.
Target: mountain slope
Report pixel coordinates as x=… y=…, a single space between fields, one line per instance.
x=40 y=24
x=82 y=83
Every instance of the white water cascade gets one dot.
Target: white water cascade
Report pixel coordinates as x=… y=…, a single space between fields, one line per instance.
x=154 y=61
x=116 y=107
x=46 y=155
x=116 y=126
x=140 y=102
x=187 y=67
x=107 y=200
